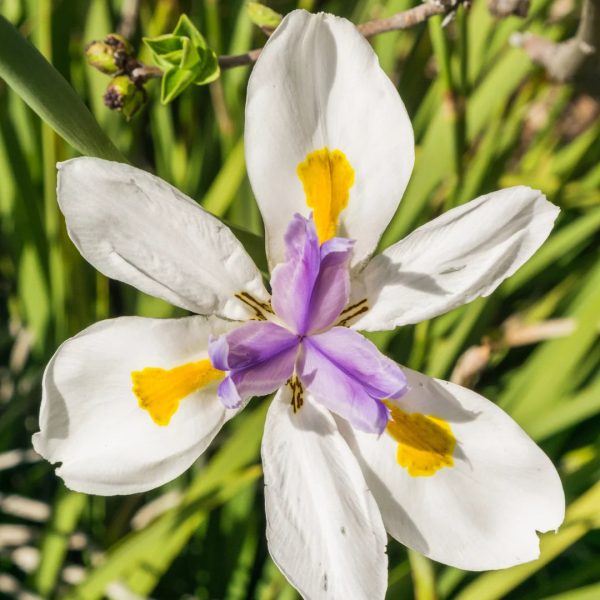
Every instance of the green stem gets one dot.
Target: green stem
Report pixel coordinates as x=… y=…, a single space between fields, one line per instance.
x=68 y=508
x=451 y=97
x=52 y=219
x=461 y=104
x=423 y=576
x=420 y=345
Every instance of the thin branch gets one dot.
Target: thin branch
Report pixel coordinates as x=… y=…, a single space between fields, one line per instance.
x=564 y=60
x=407 y=19
x=514 y=333
x=402 y=20
x=129 y=17
x=224 y=120
x=141 y=73
x=471 y=364
x=506 y=8
x=228 y=61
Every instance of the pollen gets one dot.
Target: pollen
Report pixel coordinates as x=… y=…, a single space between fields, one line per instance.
x=327 y=177
x=425 y=442
x=159 y=391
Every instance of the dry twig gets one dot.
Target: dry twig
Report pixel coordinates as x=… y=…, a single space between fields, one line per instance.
x=564 y=60
x=402 y=20
x=129 y=17
x=506 y=8
x=475 y=359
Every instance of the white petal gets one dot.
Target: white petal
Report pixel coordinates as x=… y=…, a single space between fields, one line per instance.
x=91 y=421
x=481 y=513
x=318 y=83
x=323 y=528
x=135 y=227
x=465 y=253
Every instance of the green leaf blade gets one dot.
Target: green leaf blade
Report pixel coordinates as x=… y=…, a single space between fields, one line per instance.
x=46 y=91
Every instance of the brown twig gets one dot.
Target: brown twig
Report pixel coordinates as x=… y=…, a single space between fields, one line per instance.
x=475 y=359
x=564 y=60
x=228 y=61
x=129 y=17
x=516 y=333
x=408 y=18
x=141 y=73
x=402 y=20
x=224 y=120
x=471 y=363
x=506 y=8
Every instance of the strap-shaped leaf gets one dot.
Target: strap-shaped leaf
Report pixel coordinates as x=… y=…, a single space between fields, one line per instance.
x=47 y=93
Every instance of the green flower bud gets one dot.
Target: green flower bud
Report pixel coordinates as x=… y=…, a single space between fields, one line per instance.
x=110 y=55
x=123 y=95
x=119 y=43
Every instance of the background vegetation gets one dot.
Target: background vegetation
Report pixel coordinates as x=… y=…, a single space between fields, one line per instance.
x=484 y=116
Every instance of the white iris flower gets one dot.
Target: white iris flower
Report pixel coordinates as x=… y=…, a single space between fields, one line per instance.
x=354 y=445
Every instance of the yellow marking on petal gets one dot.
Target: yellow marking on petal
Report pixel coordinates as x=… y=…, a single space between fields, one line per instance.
x=159 y=391
x=425 y=442
x=327 y=177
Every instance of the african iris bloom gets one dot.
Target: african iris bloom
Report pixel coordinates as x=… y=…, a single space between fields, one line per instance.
x=354 y=445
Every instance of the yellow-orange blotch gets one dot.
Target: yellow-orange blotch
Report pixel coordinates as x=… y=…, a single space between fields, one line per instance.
x=327 y=177
x=159 y=391
x=425 y=442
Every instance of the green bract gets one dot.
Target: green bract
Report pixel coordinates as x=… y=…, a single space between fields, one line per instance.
x=262 y=15
x=185 y=58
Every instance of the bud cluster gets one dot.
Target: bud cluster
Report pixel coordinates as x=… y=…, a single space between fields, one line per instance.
x=182 y=59
x=114 y=56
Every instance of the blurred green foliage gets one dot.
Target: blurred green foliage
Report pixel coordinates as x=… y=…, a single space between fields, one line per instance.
x=484 y=118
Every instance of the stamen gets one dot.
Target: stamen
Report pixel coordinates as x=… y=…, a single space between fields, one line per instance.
x=353 y=306
x=425 y=443
x=258 y=307
x=297 y=393
x=352 y=311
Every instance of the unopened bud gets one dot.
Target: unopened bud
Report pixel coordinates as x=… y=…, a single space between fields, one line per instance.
x=123 y=95
x=110 y=55
x=118 y=42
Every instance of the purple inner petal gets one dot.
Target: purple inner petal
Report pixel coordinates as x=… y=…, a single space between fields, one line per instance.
x=332 y=286
x=259 y=356
x=292 y=282
x=259 y=379
x=359 y=358
x=340 y=392
x=251 y=343
x=312 y=287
